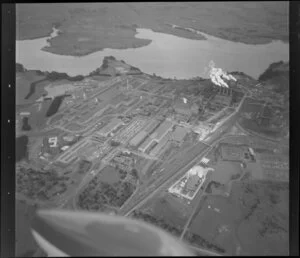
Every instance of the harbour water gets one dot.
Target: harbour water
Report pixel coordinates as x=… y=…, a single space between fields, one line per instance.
x=167 y=55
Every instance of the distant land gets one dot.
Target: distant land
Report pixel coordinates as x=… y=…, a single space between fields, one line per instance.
x=90 y=27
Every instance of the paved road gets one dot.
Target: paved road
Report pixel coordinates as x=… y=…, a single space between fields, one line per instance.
x=177 y=166
x=192 y=215
x=170 y=167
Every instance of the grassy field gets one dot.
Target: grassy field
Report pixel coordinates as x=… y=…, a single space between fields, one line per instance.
x=165 y=211
x=88 y=27
x=215 y=222
x=224 y=170
x=23 y=82
x=252 y=221
x=263 y=229
x=37 y=117
x=109 y=175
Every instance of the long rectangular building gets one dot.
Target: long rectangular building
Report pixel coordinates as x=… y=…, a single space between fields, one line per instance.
x=113 y=124
x=72 y=151
x=145 y=144
x=162 y=130
x=138 y=138
x=152 y=126
x=156 y=150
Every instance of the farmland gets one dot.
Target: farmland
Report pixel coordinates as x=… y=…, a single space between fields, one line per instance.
x=246 y=223
x=165 y=211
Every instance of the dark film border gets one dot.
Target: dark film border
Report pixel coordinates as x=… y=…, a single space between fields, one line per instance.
x=294 y=126
x=8 y=129
x=8 y=32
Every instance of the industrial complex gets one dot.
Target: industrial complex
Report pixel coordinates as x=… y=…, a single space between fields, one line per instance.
x=189 y=185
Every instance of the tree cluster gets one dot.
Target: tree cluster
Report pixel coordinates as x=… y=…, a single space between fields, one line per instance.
x=20 y=68
x=174 y=230
x=102 y=193
x=38 y=184
x=201 y=242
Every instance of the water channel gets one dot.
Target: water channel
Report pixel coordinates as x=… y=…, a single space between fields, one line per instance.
x=167 y=55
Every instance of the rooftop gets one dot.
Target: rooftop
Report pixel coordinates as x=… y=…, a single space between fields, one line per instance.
x=162 y=130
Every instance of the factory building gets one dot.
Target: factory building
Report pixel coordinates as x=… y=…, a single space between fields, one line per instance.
x=112 y=125
x=223 y=97
x=144 y=146
x=135 y=141
x=157 y=135
x=192 y=183
x=152 y=126
x=162 y=130
x=155 y=151
x=189 y=185
x=143 y=134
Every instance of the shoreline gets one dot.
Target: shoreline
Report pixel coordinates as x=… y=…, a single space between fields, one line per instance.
x=170 y=31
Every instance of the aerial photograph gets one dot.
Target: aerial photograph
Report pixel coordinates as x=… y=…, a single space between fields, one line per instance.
x=174 y=114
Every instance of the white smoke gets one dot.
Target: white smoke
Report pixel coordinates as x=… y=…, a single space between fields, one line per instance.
x=216 y=75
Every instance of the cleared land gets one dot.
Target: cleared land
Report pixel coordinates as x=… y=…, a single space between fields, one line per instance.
x=88 y=27
x=23 y=84
x=165 y=211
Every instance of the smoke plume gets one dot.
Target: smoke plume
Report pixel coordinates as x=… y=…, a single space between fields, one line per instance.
x=217 y=74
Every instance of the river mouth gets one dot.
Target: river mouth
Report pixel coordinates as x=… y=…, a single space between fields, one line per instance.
x=167 y=56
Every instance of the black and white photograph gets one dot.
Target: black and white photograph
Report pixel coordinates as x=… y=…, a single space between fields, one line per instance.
x=152 y=129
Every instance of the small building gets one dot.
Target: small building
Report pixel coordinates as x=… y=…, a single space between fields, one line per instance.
x=65 y=147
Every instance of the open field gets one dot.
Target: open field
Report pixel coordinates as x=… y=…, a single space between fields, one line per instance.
x=37 y=117
x=252 y=126
x=215 y=223
x=165 y=211
x=91 y=27
x=265 y=206
x=252 y=221
x=224 y=171
x=109 y=175
x=23 y=84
